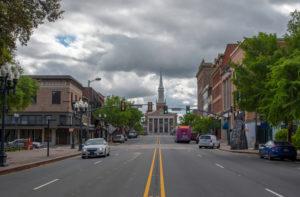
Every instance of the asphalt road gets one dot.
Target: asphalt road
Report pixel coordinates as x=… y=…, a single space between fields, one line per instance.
x=156 y=166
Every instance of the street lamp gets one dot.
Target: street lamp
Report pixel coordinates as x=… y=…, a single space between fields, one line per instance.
x=96 y=79
x=9 y=75
x=102 y=118
x=80 y=107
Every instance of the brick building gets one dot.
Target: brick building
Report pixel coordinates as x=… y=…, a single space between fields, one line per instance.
x=204 y=87
x=53 y=101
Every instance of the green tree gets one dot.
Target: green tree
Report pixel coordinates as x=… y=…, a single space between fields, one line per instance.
x=25 y=91
x=296 y=139
x=199 y=124
x=281 y=135
x=18 y=18
x=131 y=117
x=268 y=81
x=251 y=77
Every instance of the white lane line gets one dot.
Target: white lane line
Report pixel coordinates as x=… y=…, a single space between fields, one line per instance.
x=39 y=187
x=199 y=155
x=97 y=162
x=219 y=165
x=276 y=194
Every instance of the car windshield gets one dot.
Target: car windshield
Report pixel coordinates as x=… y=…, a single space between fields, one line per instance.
x=205 y=137
x=94 y=142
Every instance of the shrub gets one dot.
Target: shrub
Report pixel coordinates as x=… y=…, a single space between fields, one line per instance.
x=296 y=139
x=281 y=135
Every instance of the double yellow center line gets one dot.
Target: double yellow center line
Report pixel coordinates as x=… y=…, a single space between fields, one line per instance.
x=161 y=173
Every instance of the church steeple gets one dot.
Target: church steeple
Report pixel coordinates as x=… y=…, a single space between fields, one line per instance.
x=161 y=96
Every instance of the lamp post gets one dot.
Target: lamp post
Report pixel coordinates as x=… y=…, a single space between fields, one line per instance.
x=102 y=118
x=49 y=119
x=9 y=76
x=96 y=79
x=80 y=108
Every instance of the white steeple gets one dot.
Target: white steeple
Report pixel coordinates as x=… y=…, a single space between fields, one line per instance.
x=161 y=96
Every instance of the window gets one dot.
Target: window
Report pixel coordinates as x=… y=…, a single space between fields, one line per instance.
x=62 y=119
x=56 y=97
x=75 y=97
x=71 y=96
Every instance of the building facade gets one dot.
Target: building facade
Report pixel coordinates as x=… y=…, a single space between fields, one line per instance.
x=158 y=122
x=204 y=87
x=53 y=102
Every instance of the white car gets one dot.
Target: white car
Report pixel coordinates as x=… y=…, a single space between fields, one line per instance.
x=209 y=141
x=95 y=147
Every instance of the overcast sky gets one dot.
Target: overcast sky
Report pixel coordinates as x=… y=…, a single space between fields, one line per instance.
x=127 y=42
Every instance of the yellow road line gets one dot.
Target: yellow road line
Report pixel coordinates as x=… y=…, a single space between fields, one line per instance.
x=147 y=188
x=162 y=179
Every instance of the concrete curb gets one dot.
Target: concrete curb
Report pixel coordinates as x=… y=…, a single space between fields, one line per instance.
x=36 y=164
x=239 y=151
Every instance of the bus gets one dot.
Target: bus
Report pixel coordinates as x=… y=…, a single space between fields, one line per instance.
x=183 y=134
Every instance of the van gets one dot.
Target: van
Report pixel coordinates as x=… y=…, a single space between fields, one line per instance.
x=183 y=134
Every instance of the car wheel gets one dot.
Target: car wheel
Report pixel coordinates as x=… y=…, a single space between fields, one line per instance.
x=104 y=155
x=294 y=158
x=200 y=147
x=261 y=156
x=83 y=157
x=108 y=153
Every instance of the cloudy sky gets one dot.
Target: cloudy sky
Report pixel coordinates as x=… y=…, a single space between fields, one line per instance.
x=127 y=42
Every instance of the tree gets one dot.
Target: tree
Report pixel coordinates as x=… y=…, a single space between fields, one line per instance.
x=25 y=92
x=199 y=124
x=268 y=82
x=130 y=118
x=251 y=77
x=18 y=18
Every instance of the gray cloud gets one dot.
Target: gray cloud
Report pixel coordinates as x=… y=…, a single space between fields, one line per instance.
x=144 y=37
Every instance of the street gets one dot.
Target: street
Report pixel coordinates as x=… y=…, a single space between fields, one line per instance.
x=156 y=166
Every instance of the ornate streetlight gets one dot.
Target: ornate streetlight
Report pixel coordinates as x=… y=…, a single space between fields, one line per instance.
x=102 y=118
x=9 y=75
x=80 y=108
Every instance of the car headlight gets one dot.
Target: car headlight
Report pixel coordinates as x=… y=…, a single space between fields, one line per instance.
x=100 y=149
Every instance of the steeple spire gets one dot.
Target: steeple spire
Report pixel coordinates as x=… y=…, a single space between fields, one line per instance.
x=161 y=96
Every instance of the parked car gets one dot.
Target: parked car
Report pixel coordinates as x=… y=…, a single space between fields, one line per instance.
x=208 y=141
x=95 y=147
x=278 y=149
x=118 y=138
x=21 y=143
x=17 y=143
x=37 y=144
x=132 y=134
x=183 y=134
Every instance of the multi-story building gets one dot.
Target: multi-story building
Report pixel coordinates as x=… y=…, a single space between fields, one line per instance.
x=158 y=122
x=204 y=87
x=53 y=101
x=216 y=81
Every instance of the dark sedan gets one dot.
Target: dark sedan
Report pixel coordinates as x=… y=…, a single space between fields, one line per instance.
x=132 y=134
x=278 y=149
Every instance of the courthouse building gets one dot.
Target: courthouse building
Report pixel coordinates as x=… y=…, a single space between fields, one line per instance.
x=158 y=121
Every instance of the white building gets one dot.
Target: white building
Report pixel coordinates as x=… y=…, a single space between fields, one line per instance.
x=158 y=122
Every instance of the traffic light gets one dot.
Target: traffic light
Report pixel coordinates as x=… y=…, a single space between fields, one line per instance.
x=123 y=105
x=187 y=109
x=150 y=107
x=165 y=109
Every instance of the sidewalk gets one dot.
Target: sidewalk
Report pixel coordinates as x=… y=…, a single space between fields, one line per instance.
x=24 y=159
